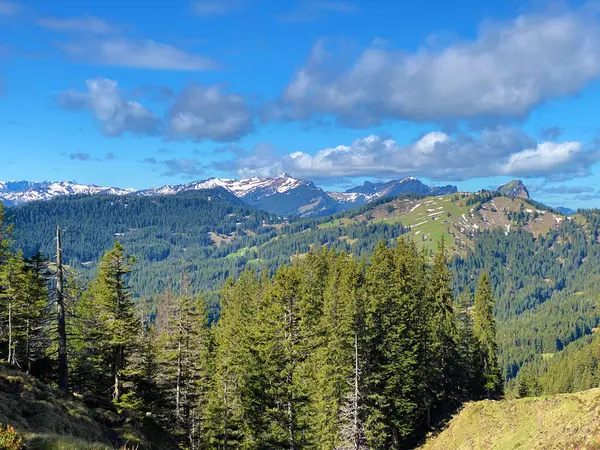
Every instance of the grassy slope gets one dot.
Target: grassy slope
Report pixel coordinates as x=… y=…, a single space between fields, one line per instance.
x=568 y=421
x=50 y=420
x=430 y=218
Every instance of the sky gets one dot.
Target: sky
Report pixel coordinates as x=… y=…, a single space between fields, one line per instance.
x=136 y=95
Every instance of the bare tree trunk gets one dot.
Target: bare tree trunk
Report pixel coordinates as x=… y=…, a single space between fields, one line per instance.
x=356 y=435
x=11 y=353
x=178 y=383
x=289 y=376
x=117 y=374
x=63 y=372
x=28 y=346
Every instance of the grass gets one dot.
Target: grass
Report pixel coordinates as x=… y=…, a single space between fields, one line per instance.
x=426 y=232
x=567 y=421
x=49 y=419
x=58 y=442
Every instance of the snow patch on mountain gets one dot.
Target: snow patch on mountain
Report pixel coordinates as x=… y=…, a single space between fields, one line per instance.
x=18 y=192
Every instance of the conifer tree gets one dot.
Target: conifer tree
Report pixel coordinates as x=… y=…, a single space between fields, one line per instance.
x=441 y=371
x=239 y=407
x=338 y=360
x=35 y=309
x=484 y=328
x=467 y=349
x=12 y=298
x=185 y=363
x=108 y=303
x=391 y=379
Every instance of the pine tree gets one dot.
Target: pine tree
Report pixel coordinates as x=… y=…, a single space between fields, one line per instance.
x=467 y=349
x=392 y=325
x=485 y=332
x=109 y=306
x=35 y=309
x=12 y=298
x=239 y=405
x=338 y=361
x=440 y=335
x=185 y=363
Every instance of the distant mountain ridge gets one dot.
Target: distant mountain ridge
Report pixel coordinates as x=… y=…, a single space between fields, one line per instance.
x=283 y=195
x=369 y=191
x=18 y=192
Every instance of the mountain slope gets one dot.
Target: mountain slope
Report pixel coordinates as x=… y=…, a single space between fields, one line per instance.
x=514 y=189
x=51 y=420
x=568 y=421
x=368 y=192
x=283 y=195
x=18 y=192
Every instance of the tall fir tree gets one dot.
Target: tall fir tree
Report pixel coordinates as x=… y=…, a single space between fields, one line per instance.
x=184 y=364
x=338 y=360
x=36 y=313
x=441 y=359
x=392 y=384
x=109 y=308
x=484 y=328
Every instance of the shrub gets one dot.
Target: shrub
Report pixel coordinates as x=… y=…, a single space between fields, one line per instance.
x=10 y=439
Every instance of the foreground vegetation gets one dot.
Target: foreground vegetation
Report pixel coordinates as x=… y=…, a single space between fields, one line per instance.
x=568 y=421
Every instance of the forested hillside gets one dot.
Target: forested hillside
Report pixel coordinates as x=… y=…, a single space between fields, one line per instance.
x=546 y=287
x=542 y=265
x=327 y=352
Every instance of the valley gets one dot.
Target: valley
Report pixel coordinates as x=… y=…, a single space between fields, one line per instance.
x=542 y=263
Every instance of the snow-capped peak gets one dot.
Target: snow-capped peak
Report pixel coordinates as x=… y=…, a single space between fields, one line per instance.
x=17 y=192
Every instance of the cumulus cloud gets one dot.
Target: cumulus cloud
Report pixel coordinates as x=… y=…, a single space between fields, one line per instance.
x=206 y=112
x=110 y=156
x=435 y=155
x=85 y=24
x=313 y=10
x=139 y=54
x=152 y=161
x=509 y=69
x=115 y=114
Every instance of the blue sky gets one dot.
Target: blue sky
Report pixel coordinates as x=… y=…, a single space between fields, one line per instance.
x=465 y=92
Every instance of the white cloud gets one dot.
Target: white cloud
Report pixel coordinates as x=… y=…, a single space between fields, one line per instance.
x=84 y=24
x=115 y=114
x=206 y=112
x=544 y=159
x=508 y=70
x=141 y=54
x=436 y=155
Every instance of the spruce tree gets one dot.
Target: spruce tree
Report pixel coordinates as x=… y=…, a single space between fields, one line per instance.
x=440 y=363
x=109 y=303
x=338 y=361
x=392 y=382
x=12 y=303
x=35 y=309
x=184 y=363
x=239 y=405
x=467 y=348
x=484 y=328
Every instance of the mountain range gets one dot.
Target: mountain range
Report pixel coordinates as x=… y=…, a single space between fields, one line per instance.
x=283 y=195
